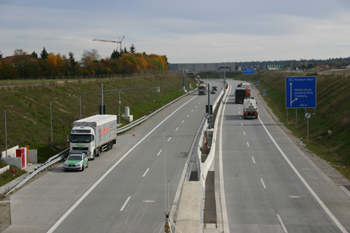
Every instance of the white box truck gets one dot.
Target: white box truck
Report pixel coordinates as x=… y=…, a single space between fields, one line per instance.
x=94 y=134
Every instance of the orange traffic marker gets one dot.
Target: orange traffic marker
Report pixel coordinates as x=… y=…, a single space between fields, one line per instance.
x=133 y=134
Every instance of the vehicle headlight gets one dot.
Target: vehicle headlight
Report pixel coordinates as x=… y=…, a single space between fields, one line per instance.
x=78 y=164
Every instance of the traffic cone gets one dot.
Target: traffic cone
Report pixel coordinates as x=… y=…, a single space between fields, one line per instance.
x=133 y=134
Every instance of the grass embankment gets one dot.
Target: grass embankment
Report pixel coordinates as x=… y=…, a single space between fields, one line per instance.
x=8 y=176
x=329 y=128
x=28 y=122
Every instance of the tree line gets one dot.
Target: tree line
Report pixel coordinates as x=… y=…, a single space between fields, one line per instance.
x=301 y=64
x=24 y=65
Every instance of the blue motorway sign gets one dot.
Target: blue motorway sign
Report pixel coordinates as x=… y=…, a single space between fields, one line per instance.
x=301 y=92
x=248 y=70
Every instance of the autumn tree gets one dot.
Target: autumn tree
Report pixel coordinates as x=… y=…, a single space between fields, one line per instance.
x=7 y=71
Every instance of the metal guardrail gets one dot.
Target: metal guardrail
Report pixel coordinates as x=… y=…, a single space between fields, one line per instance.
x=56 y=158
x=50 y=162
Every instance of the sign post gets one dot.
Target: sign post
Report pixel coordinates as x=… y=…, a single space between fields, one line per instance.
x=301 y=93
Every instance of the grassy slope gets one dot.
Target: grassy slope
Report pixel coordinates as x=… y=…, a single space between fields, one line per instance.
x=332 y=113
x=28 y=122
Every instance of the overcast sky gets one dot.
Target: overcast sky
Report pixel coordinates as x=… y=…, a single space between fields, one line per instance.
x=185 y=31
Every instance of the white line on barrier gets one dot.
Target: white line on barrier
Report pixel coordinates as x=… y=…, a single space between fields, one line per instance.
x=222 y=183
x=126 y=202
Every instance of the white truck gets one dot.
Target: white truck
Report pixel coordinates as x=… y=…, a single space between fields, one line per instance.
x=94 y=134
x=250 y=110
x=202 y=89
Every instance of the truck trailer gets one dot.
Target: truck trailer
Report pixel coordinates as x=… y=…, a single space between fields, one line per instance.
x=240 y=94
x=94 y=134
x=250 y=110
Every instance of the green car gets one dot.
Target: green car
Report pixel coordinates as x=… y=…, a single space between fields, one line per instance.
x=76 y=161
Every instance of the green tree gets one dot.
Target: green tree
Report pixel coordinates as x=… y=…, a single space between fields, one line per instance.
x=115 y=54
x=34 y=54
x=132 y=49
x=0 y=55
x=44 y=54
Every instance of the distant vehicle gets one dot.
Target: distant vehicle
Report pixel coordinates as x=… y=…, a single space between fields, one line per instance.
x=76 y=161
x=212 y=91
x=215 y=88
x=240 y=94
x=239 y=85
x=94 y=134
x=202 y=89
x=250 y=110
x=246 y=85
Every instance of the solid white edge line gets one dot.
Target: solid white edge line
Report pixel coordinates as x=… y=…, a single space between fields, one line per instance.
x=109 y=170
x=145 y=172
x=325 y=208
x=253 y=160
x=222 y=184
x=159 y=152
x=262 y=181
x=126 y=202
x=281 y=222
x=345 y=190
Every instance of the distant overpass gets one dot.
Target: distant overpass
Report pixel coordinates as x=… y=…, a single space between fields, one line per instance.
x=194 y=68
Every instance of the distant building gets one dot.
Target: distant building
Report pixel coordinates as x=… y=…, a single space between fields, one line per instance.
x=273 y=67
x=199 y=67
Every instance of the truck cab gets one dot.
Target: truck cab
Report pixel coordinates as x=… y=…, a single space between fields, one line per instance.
x=82 y=140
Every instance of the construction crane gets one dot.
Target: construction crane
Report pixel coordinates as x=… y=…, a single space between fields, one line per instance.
x=113 y=41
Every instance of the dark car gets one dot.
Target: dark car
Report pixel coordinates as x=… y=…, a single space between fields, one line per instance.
x=215 y=88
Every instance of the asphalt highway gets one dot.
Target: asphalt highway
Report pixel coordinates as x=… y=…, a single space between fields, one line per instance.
x=123 y=190
x=269 y=184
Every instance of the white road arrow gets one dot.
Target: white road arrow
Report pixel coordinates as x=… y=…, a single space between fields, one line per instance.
x=291 y=94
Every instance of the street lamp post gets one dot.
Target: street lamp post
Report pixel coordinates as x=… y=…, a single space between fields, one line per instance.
x=6 y=128
x=51 y=120
x=80 y=101
x=119 y=90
